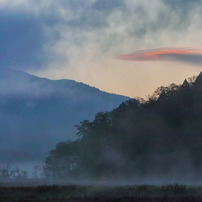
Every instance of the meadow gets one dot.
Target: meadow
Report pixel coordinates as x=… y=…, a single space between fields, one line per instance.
x=101 y=193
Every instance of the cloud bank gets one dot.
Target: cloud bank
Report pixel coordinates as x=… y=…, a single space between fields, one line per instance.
x=77 y=39
x=36 y=34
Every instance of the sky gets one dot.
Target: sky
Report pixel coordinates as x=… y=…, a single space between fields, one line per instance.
x=127 y=47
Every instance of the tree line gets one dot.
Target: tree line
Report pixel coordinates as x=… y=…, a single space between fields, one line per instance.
x=158 y=137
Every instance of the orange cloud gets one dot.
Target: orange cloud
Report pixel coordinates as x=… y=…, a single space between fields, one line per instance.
x=187 y=55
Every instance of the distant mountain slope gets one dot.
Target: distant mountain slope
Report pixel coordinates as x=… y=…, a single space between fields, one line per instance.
x=36 y=113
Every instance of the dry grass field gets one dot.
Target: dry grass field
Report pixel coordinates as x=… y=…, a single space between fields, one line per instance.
x=99 y=193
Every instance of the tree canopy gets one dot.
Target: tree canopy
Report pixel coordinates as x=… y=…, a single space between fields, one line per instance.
x=139 y=138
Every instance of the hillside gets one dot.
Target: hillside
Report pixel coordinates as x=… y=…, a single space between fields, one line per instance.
x=154 y=141
x=36 y=113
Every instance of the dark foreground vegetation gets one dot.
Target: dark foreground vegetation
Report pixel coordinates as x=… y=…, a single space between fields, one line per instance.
x=73 y=193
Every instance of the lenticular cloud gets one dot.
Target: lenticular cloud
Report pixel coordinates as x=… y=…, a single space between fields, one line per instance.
x=185 y=55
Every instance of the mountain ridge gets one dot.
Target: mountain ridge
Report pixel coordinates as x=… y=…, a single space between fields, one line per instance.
x=8 y=72
x=42 y=112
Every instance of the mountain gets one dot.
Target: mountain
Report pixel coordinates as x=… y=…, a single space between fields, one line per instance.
x=36 y=113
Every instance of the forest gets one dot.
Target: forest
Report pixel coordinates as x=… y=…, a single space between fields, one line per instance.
x=158 y=138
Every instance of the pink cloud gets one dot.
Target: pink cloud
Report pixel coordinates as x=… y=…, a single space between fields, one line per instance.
x=186 y=55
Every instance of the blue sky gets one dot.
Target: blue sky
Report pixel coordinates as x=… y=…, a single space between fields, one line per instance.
x=78 y=39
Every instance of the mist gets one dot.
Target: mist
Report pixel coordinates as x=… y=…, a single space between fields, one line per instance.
x=78 y=40
x=99 y=92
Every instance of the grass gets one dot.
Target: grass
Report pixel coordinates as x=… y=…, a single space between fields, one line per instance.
x=98 y=193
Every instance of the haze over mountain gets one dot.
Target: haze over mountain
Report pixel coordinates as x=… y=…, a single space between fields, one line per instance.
x=36 y=113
